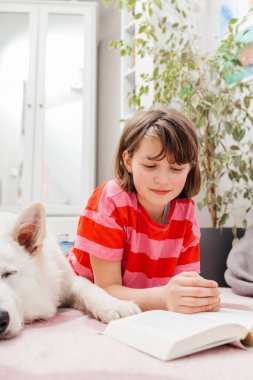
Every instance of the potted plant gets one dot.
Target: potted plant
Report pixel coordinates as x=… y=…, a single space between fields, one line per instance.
x=204 y=85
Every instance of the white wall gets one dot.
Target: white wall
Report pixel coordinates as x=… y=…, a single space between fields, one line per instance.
x=108 y=94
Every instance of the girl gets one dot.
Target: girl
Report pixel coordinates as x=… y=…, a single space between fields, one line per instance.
x=138 y=237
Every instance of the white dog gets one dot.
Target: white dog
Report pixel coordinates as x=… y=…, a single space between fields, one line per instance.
x=36 y=279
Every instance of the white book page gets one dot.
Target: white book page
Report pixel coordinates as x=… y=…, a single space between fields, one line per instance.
x=173 y=327
x=242 y=317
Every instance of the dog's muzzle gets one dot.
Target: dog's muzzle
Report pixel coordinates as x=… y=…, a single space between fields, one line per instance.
x=4 y=320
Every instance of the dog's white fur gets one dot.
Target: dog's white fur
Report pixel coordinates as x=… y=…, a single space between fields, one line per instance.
x=36 y=279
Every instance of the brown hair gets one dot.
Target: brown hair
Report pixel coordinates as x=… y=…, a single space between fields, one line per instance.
x=178 y=139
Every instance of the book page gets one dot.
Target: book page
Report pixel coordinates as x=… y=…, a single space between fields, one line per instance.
x=176 y=326
x=242 y=317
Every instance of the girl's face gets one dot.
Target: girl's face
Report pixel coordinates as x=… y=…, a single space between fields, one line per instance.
x=156 y=182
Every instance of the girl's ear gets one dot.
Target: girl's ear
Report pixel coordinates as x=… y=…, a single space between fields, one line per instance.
x=127 y=161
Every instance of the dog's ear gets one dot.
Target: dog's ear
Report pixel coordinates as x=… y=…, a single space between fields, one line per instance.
x=30 y=228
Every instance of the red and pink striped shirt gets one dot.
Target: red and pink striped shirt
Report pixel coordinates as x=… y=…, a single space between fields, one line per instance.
x=114 y=226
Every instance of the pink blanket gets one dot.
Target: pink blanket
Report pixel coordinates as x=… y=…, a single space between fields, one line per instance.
x=70 y=346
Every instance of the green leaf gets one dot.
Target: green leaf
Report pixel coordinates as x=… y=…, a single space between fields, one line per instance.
x=150 y=12
x=219 y=200
x=228 y=127
x=184 y=14
x=142 y=28
x=238 y=134
x=246 y=101
x=232 y=175
x=245 y=178
x=138 y=16
x=244 y=223
x=236 y=62
x=234 y=147
x=233 y=20
x=237 y=160
x=246 y=31
x=242 y=166
x=114 y=44
x=235 y=242
x=164 y=20
x=131 y=3
x=158 y=3
x=155 y=72
x=223 y=219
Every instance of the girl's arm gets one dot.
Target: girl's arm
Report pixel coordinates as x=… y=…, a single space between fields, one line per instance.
x=186 y=292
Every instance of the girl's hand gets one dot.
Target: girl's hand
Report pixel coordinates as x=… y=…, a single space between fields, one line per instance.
x=188 y=292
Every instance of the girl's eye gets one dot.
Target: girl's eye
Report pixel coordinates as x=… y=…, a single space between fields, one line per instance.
x=149 y=166
x=8 y=274
x=177 y=169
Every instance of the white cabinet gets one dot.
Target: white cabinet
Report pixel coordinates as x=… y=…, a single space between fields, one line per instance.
x=47 y=104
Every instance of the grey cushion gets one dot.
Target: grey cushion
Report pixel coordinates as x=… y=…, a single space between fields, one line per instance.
x=239 y=274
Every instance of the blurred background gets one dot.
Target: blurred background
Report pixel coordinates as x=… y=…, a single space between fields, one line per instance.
x=62 y=96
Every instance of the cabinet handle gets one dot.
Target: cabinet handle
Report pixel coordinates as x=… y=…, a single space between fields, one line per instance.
x=41 y=105
x=29 y=105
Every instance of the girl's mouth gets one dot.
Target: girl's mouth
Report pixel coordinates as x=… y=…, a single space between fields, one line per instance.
x=160 y=192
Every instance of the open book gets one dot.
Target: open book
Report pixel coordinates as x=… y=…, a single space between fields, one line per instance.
x=168 y=335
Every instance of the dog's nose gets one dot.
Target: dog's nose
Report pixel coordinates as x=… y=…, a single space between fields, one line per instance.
x=4 y=320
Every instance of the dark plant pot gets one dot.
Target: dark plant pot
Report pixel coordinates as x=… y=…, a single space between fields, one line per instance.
x=215 y=245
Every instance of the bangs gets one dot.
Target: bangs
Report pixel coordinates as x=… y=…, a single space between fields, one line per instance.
x=178 y=146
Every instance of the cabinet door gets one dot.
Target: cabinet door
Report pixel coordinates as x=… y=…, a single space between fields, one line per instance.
x=64 y=173
x=18 y=26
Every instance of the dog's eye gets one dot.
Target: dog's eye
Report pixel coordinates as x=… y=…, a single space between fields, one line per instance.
x=8 y=273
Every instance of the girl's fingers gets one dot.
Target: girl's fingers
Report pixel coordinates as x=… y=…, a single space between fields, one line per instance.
x=198 y=302
x=197 y=292
x=216 y=307
x=193 y=310
x=195 y=282
x=190 y=293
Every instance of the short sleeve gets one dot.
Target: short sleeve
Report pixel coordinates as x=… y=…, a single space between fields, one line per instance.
x=100 y=235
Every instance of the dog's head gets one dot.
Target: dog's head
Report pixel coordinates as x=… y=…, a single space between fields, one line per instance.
x=21 y=239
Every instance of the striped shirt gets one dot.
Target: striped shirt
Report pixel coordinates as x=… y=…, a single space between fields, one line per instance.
x=114 y=226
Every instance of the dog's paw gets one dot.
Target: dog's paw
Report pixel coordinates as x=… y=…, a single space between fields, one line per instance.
x=118 y=309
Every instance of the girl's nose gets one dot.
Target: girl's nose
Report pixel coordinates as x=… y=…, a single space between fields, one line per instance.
x=162 y=178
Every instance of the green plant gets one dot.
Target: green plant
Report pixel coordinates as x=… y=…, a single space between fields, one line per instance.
x=198 y=83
